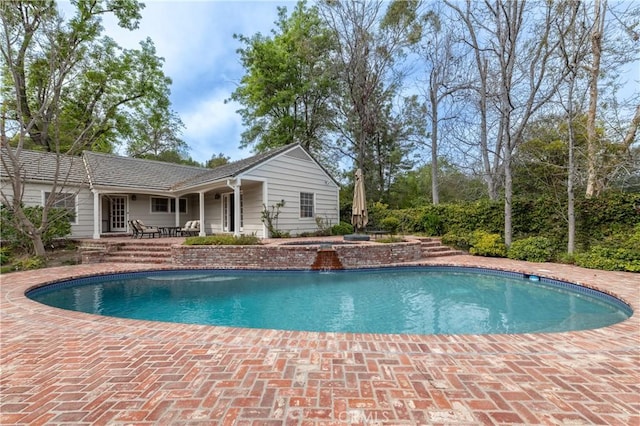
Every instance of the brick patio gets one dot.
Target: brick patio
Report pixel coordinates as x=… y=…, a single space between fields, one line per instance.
x=62 y=367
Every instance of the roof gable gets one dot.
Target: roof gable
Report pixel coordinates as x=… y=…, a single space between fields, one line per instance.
x=233 y=169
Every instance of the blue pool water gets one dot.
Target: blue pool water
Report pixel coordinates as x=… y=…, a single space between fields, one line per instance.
x=395 y=300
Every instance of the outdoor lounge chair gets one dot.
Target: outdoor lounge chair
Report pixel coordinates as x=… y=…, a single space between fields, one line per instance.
x=192 y=227
x=143 y=229
x=134 y=229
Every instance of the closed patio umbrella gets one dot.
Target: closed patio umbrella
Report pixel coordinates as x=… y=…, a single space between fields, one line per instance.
x=359 y=216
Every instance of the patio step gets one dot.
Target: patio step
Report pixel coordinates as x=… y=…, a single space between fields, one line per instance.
x=433 y=247
x=140 y=252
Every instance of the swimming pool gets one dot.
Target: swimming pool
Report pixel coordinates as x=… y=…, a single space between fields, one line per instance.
x=416 y=300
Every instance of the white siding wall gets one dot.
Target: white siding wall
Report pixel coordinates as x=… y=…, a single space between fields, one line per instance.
x=140 y=209
x=252 y=209
x=212 y=213
x=83 y=227
x=287 y=176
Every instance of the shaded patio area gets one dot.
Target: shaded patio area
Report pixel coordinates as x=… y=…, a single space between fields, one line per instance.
x=62 y=367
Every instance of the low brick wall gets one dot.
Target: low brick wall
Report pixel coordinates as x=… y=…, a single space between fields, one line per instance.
x=372 y=255
x=292 y=257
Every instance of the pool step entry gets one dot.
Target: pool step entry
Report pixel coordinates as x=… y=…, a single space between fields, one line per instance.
x=433 y=247
x=326 y=260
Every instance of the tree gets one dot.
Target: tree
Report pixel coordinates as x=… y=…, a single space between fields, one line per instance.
x=614 y=41
x=67 y=90
x=369 y=41
x=156 y=135
x=216 y=161
x=520 y=43
x=445 y=74
x=288 y=82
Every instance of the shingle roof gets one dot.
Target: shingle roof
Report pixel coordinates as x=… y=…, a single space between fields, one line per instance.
x=127 y=172
x=113 y=170
x=38 y=166
x=107 y=170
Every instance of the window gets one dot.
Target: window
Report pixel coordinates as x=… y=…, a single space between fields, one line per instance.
x=63 y=200
x=167 y=205
x=159 y=205
x=306 y=204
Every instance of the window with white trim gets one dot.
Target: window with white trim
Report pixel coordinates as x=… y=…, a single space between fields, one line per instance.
x=306 y=204
x=64 y=200
x=167 y=205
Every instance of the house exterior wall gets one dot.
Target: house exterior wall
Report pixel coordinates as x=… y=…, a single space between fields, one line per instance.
x=287 y=176
x=34 y=196
x=212 y=212
x=140 y=209
x=282 y=177
x=252 y=210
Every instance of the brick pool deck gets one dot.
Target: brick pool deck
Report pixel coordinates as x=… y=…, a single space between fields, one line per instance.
x=61 y=367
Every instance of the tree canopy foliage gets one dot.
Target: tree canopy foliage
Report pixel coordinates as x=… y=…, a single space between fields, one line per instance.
x=69 y=88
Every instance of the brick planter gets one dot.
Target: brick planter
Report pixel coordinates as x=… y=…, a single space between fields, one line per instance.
x=292 y=257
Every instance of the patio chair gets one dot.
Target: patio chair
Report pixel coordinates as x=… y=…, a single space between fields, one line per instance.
x=143 y=229
x=192 y=227
x=134 y=229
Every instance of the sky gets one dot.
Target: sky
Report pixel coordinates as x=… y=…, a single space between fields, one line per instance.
x=195 y=38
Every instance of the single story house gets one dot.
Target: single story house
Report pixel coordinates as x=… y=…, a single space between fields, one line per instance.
x=106 y=191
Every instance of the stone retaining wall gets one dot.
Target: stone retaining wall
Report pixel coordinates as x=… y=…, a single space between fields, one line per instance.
x=292 y=257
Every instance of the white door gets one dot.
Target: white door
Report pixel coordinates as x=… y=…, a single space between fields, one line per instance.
x=118 y=214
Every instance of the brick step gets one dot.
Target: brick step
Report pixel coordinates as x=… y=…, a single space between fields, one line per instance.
x=439 y=247
x=136 y=253
x=138 y=259
x=450 y=252
x=143 y=249
x=429 y=239
x=433 y=247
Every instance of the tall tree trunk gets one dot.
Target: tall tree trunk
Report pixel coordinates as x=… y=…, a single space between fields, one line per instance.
x=435 y=196
x=594 y=74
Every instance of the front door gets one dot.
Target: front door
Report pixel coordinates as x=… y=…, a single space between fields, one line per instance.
x=118 y=214
x=228 y=212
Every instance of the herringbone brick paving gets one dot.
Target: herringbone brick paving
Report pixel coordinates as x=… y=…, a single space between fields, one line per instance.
x=61 y=367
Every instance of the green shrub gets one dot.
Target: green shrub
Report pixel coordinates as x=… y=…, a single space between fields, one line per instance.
x=342 y=228
x=12 y=234
x=5 y=255
x=610 y=259
x=377 y=212
x=457 y=241
x=486 y=244
x=432 y=224
x=387 y=240
x=28 y=263
x=390 y=224
x=532 y=249
x=566 y=258
x=222 y=240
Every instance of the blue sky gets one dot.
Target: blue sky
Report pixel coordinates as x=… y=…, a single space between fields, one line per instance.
x=196 y=40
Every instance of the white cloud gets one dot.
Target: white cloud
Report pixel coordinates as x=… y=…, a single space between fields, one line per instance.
x=213 y=127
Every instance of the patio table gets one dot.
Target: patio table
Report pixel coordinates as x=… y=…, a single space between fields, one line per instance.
x=169 y=231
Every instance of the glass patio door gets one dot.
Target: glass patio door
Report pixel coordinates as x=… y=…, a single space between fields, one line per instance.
x=118 y=214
